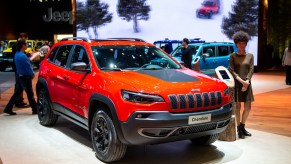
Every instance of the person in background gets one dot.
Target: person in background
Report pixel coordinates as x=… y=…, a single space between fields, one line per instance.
x=25 y=72
x=2 y=46
x=20 y=100
x=45 y=48
x=242 y=68
x=186 y=53
x=286 y=61
x=50 y=44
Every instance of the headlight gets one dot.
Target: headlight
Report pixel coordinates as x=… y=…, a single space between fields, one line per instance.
x=140 y=97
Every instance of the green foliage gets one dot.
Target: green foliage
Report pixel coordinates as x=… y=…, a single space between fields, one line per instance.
x=133 y=10
x=279 y=26
x=92 y=14
x=244 y=17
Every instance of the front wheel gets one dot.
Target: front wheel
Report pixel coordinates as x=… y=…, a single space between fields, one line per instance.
x=45 y=114
x=106 y=144
x=205 y=140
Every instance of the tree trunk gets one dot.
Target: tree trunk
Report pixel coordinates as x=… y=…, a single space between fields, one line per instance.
x=135 y=24
x=95 y=32
x=88 y=32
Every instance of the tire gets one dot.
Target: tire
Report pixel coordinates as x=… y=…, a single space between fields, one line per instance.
x=45 y=114
x=205 y=140
x=209 y=15
x=106 y=144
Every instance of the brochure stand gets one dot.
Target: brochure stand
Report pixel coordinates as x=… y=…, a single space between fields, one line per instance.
x=230 y=132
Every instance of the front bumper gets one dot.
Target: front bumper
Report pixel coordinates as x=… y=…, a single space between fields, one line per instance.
x=158 y=127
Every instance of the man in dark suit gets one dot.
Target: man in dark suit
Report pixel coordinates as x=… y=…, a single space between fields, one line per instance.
x=186 y=53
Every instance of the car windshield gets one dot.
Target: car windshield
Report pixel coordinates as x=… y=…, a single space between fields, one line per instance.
x=208 y=3
x=132 y=58
x=10 y=45
x=178 y=51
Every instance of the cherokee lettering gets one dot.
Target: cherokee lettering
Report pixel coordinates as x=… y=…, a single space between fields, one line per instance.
x=199 y=119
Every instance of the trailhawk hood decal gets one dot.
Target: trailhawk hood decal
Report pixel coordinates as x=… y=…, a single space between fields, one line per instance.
x=165 y=80
x=169 y=75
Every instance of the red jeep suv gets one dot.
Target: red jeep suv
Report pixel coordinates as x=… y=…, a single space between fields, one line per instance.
x=126 y=91
x=208 y=8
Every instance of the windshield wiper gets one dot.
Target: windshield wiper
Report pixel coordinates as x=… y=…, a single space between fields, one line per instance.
x=110 y=69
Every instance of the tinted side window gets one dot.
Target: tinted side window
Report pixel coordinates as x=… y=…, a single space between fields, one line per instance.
x=80 y=55
x=62 y=55
x=223 y=50
x=53 y=54
x=210 y=51
x=175 y=45
x=231 y=49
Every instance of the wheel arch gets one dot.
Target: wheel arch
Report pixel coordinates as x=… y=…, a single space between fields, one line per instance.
x=41 y=83
x=97 y=101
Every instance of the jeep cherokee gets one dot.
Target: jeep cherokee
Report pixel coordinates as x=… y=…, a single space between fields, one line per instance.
x=128 y=92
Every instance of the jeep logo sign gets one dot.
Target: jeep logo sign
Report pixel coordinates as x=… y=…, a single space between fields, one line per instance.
x=57 y=16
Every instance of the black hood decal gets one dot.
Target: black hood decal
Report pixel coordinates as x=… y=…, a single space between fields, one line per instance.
x=170 y=75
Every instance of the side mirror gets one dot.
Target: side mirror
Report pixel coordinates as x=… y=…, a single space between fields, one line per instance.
x=80 y=66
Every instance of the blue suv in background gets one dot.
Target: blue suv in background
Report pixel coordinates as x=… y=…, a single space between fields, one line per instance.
x=210 y=55
x=169 y=45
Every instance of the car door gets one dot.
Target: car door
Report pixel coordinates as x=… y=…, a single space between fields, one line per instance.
x=74 y=81
x=208 y=59
x=58 y=82
x=223 y=55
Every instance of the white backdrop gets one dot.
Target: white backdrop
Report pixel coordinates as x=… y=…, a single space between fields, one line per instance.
x=173 y=19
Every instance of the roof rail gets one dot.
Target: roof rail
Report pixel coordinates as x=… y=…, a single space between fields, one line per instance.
x=129 y=39
x=76 y=38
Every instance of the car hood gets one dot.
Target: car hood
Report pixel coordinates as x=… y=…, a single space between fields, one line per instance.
x=167 y=80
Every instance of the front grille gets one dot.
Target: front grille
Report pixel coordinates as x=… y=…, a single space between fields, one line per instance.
x=196 y=129
x=197 y=100
x=184 y=130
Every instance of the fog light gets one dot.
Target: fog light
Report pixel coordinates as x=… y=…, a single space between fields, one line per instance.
x=139 y=116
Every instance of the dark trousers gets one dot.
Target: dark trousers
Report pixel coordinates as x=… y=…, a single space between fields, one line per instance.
x=20 y=98
x=25 y=83
x=288 y=74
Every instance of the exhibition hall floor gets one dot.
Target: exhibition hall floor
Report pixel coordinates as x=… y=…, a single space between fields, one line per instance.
x=24 y=141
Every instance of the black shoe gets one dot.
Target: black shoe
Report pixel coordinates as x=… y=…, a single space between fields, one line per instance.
x=34 y=112
x=244 y=131
x=10 y=112
x=22 y=105
x=240 y=132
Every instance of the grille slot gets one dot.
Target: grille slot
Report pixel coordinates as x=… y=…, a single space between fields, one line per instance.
x=198 y=100
x=191 y=102
x=182 y=99
x=174 y=101
x=206 y=99
x=219 y=97
x=213 y=99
